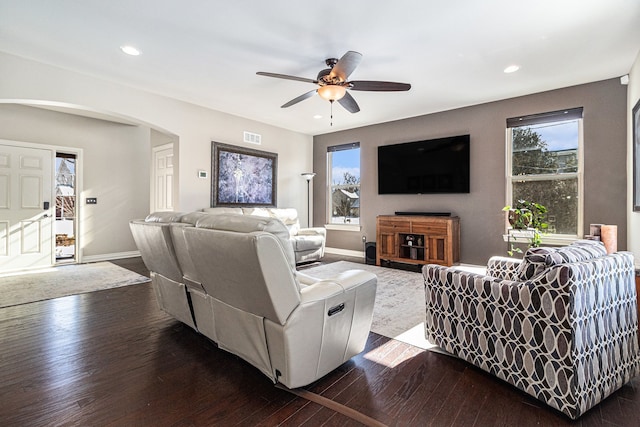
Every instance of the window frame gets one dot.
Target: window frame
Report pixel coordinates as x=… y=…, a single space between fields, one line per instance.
x=329 y=187
x=548 y=238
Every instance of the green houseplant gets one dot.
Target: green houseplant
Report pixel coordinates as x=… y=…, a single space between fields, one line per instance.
x=527 y=215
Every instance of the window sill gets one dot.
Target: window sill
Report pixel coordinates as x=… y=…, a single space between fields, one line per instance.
x=558 y=239
x=523 y=236
x=345 y=227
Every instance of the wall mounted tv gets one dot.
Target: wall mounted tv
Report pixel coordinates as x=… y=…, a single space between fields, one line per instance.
x=425 y=167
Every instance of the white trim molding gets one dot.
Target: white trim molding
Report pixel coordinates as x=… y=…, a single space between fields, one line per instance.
x=345 y=252
x=108 y=257
x=343 y=227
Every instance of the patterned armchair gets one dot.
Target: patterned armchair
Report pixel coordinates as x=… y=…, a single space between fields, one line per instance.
x=561 y=324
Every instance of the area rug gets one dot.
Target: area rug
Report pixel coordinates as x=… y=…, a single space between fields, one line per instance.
x=399 y=310
x=55 y=282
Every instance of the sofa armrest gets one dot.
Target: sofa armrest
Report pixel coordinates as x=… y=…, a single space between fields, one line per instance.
x=313 y=231
x=503 y=267
x=330 y=326
x=343 y=282
x=305 y=279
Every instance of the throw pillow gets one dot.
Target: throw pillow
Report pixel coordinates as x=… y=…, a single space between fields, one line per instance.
x=537 y=260
x=576 y=252
x=533 y=263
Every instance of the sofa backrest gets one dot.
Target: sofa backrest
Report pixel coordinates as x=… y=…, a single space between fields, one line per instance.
x=289 y=216
x=154 y=241
x=223 y=210
x=245 y=262
x=191 y=218
x=164 y=216
x=189 y=273
x=537 y=260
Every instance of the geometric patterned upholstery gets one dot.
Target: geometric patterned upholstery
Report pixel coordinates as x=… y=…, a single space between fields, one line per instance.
x=536 y=260
x=503 y=268
x=567 y=336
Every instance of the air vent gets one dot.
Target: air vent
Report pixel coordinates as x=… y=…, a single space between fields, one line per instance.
x=253 y=138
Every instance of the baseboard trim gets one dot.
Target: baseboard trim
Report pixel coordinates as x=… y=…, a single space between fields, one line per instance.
x=107 y=257
x=345 y=252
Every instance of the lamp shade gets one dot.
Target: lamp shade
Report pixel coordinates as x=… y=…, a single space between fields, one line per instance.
x=308 y=175
x=332 y=92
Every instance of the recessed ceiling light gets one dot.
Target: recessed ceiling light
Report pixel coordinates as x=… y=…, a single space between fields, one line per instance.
x=317 y=116
x=130 y=50
x=511 y=69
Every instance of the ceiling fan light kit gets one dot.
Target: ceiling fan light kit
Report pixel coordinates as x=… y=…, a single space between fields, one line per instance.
x=332 y=92
x=333 y=84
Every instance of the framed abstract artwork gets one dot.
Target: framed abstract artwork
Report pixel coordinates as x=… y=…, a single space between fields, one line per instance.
x=635 y=116
x=243 y=176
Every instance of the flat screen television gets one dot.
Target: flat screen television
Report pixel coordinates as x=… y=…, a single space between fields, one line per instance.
x=425 y=167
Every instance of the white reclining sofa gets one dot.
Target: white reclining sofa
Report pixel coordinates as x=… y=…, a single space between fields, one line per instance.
x=308 y=243
x=232 y=278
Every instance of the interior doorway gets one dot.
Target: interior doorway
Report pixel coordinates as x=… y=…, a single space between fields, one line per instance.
x=66 y=207
x=162 y=178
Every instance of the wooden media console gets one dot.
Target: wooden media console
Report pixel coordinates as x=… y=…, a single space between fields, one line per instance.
x=417 y=239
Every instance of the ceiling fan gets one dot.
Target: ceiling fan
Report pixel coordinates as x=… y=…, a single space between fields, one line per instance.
x=333 y=84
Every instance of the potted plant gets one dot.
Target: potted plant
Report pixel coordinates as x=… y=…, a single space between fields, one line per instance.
x=530 y=216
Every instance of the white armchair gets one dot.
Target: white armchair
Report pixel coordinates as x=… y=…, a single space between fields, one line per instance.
x=308 y=243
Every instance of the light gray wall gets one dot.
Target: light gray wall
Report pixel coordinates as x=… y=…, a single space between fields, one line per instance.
x=115 y=170
x=481 y=218
x=194 y=127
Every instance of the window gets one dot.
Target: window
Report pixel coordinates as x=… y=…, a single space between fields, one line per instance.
x=65 y=225
x=544 y=165
x=343 y=166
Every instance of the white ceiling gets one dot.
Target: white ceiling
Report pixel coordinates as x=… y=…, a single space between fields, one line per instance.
x=208 y=52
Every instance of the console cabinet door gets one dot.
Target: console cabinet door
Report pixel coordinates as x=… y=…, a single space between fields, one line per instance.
x=387 y=245
x=437 y=250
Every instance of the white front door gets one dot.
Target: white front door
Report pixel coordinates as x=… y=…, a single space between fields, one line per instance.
x=163 y=178
x=26 y=208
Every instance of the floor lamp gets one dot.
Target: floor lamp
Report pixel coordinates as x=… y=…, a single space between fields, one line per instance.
x=308 y=176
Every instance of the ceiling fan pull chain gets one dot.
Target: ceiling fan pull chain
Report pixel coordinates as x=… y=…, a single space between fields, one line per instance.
x=331 y=102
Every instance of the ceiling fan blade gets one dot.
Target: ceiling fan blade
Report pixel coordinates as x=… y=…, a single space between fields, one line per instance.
x=375 y=86
x=286 y=77
x=300 y=98
x=349 y=103
x=346 y=65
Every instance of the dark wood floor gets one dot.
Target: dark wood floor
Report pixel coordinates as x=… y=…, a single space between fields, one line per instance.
x=112 y=358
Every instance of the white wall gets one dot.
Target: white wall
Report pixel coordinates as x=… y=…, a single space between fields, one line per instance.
x=633 y=219
x=115 y=170
x=193 y=126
